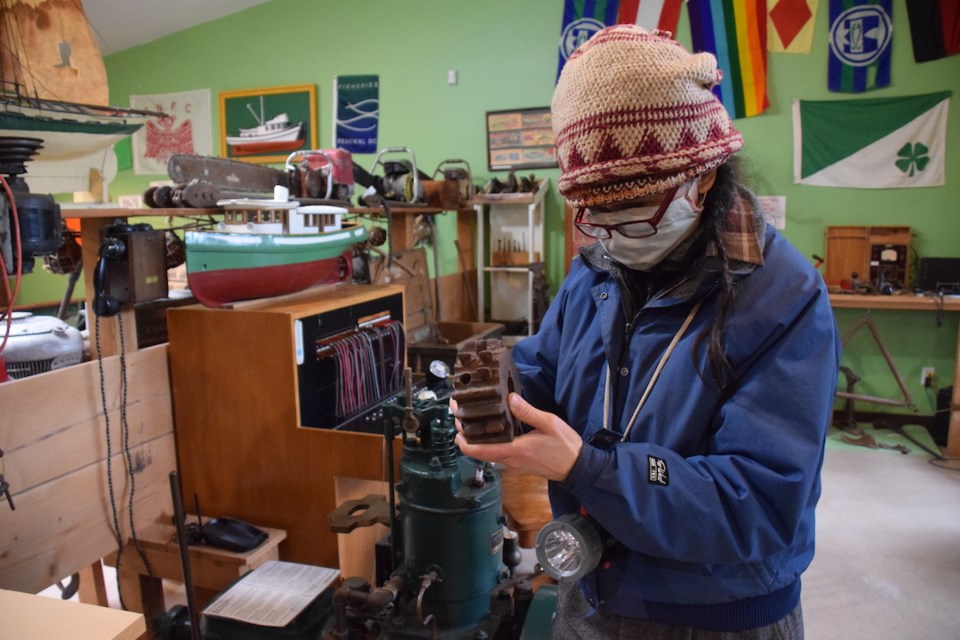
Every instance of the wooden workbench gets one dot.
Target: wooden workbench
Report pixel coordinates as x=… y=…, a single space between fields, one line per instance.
x=30 y=617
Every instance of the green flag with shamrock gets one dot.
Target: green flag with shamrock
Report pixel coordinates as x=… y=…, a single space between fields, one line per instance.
x=879 y=143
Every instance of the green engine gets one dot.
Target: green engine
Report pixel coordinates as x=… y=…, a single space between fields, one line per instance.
x=451 y=523
x=452 y=562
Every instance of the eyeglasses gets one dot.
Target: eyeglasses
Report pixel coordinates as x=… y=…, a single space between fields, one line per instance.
x=630 y=228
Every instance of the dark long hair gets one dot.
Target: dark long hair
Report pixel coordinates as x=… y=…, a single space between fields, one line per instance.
x=726 y=191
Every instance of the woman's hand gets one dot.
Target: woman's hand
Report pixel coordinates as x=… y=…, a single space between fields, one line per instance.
x=549 y=450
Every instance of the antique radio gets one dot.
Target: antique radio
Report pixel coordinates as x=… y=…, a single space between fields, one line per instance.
x=877 y=255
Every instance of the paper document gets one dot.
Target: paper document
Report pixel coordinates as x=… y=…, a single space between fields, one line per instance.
x=273 y=594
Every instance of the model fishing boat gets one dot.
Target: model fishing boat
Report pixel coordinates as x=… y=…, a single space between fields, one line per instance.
x=275 y=134
x=53 y=86
x=266 y=248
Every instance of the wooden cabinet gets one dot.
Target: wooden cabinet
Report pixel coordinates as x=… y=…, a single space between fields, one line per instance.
x=242 y=446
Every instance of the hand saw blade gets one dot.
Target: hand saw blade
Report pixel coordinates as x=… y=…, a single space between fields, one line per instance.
x=228 y=175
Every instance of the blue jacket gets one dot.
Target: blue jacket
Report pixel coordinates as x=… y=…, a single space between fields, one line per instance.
x=712 y=499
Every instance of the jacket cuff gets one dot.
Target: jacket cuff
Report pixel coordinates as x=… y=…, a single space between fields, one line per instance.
x=588 y=466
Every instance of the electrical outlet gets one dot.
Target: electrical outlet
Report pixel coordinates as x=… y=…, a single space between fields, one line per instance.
x=926 y=376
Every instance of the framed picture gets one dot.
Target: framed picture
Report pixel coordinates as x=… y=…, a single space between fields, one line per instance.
x=267 y=125
x=520 y=139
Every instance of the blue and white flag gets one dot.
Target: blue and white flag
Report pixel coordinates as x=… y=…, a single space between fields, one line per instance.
x=356 y=113
x=582 y=19
x=861 y=38
x=878 y=143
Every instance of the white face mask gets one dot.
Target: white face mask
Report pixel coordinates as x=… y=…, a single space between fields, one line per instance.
x=678 y=222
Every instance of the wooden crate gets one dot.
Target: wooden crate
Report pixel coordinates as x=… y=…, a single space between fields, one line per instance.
x=54 y=437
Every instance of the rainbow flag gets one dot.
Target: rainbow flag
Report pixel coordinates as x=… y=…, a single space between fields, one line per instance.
x=736 y=32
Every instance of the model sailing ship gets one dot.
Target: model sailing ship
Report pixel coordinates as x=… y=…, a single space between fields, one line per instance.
x=53 y=86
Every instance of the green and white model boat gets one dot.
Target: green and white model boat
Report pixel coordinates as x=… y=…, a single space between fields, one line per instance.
x=266 y=248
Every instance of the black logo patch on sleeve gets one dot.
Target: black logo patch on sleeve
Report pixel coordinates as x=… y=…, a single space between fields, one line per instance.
x=657 y=471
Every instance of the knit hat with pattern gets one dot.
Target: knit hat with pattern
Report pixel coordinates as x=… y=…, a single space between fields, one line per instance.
x=633 y=114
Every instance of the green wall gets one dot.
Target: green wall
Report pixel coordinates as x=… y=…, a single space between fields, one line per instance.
x=505 y=54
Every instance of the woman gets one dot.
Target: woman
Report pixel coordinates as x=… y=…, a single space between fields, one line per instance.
x=679 y=389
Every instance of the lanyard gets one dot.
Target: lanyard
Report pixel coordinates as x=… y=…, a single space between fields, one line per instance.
x=656 y=375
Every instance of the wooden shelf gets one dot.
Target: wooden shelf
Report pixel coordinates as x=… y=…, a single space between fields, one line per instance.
x=92 y=212
x=526 y=197
x=901 y=302
x=396 y=209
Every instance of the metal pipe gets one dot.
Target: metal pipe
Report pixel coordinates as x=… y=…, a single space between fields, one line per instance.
x=347 y=595
x=184 y=555
x=886 y=401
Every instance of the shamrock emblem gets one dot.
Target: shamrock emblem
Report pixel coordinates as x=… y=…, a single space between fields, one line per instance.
x=912 y=156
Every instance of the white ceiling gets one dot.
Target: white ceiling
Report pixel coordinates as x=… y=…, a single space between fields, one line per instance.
x=129 y=23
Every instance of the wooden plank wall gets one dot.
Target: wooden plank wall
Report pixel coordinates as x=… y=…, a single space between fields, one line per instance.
x=53 y=434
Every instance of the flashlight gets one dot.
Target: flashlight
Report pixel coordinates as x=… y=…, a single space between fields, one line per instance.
x=569 y=547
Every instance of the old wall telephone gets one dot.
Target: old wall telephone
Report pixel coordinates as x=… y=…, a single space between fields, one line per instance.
x=131 y=267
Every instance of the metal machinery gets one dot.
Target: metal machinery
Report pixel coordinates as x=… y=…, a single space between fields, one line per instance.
x=447 y=569
x=400 y=183
x=29 y=226
x=451 y=562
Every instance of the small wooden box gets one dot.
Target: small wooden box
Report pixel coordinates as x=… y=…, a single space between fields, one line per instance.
x=443 y=194
x=513 y=258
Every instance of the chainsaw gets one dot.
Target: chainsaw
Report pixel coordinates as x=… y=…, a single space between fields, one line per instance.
x=319 y=177
x=399 y=185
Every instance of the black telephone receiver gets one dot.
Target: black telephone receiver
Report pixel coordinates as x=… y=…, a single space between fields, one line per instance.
x=111 y=248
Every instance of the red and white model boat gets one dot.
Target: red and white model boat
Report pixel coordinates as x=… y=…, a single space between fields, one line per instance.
x=275 y=134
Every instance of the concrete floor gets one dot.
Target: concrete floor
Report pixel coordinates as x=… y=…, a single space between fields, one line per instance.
x=888 y=547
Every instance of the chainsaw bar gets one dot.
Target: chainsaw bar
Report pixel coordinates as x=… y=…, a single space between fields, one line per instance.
x=231 y=176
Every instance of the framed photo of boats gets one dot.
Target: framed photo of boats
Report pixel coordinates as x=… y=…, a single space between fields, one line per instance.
x=267 y=125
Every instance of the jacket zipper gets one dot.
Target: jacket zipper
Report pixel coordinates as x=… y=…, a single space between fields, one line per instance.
x=631 y=325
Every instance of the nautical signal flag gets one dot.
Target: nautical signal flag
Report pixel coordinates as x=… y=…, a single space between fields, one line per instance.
x=790 y=25
x=878 y=143
x=651 y=14
x=861 y=37
x=934 y=28
x=582 y=19
x=735 y=31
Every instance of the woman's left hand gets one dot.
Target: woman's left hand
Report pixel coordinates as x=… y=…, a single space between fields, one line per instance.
x=549 y=450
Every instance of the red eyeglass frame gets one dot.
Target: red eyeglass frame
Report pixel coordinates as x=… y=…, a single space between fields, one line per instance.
x=653 y=220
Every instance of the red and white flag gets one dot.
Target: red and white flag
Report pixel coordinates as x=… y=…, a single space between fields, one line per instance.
x=651 y=14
